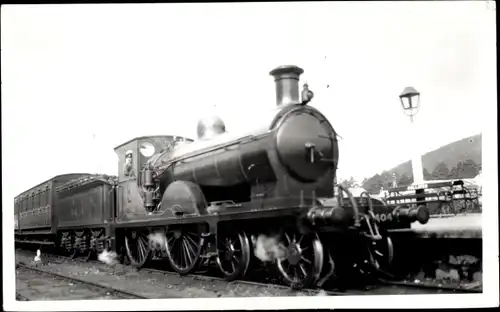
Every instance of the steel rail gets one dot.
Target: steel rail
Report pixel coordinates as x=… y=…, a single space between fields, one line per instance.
x=447 y=288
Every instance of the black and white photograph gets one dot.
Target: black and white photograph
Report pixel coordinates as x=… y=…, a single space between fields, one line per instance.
x=267 y=155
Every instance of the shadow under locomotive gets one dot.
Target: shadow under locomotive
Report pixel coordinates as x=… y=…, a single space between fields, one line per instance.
x=234 y=199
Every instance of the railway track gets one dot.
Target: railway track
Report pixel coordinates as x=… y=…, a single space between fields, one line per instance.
x=383 y=287
x=83 y=289
x=207 y=279
x=471 y=288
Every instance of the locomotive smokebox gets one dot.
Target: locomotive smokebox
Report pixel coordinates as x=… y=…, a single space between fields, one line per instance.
x=286 y=79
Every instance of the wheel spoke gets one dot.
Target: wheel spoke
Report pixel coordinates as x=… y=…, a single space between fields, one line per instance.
x=169 y=241
x=143 y=248
x=140 y=253
x=300 y=240
x=236 y=259
x=192 y=241
x=305 y=260
x=188 y=233
x=186 y=248
x=183 y=253
x=303 y=269
x=190 y=246
x=287 y=238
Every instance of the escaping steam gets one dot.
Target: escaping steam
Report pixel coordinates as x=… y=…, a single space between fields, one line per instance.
x=108 y=257
x=157 y=241
x=267 y=248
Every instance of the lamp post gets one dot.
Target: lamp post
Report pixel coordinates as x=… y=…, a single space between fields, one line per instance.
x=410 y=101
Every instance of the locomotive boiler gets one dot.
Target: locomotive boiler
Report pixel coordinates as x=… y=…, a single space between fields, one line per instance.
x=290 y=158
x=227 y=195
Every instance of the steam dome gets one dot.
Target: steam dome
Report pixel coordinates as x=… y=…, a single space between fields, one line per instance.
x=210 y=127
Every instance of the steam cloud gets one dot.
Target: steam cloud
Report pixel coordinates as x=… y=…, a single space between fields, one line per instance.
x=108 y=257
x=157 y=240
x=267 y=248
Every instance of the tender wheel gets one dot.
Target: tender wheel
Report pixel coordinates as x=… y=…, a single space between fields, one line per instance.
x=137 y=247
x=91 y=252
x=183 y=244
x=303 y=260
x=380 y=254
x=84 y=248
x=73 y=250
x=233 y=255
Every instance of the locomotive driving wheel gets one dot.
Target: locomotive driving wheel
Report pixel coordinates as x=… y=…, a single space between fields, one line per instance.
x=183 y=244
x=137 y=247
x=303 y=260
x=233 y=254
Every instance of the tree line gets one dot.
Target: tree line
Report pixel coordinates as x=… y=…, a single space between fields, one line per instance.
x=462 y=170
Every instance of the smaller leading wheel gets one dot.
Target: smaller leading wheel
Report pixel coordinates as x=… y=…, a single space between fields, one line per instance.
x=303 y=258
x=137 y=247
x=233 y=255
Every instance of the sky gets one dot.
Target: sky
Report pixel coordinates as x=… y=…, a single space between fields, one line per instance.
x=78 y=80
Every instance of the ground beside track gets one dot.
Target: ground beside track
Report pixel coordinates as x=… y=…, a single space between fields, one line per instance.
x=34 y=285
x=155 y=285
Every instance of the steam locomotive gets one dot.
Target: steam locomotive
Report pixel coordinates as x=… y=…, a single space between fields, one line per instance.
x=215 y=199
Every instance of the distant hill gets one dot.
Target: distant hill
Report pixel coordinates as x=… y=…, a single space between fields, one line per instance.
x=458 y=159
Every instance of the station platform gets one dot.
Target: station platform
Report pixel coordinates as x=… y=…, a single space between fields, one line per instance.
x=456 y=226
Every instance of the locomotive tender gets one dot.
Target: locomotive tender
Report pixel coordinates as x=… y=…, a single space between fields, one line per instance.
x=220 y=196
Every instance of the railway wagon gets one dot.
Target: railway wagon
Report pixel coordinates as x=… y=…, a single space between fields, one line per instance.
x=85 y=214
x=36 y=210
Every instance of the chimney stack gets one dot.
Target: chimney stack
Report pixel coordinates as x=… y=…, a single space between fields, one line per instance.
x=286 y=79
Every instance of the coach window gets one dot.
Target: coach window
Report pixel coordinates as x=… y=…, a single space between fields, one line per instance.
x=43 y=201
x=37 y=199
x=24 y=204
x=29 y=199
x=47 y=195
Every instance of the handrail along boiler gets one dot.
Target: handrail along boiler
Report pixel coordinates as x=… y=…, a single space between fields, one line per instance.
x=217 y=198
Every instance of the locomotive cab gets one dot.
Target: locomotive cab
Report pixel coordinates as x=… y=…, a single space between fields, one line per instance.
x=133 y=156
